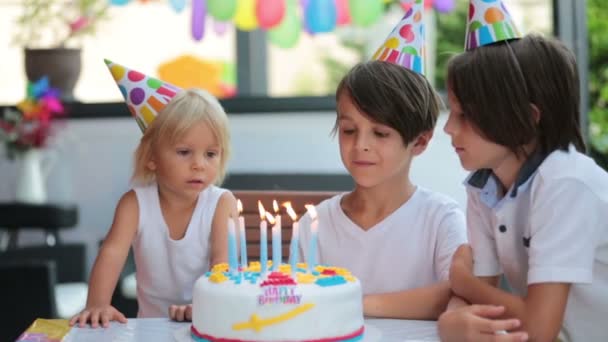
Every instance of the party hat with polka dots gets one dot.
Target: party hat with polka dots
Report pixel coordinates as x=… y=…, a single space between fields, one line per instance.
x=405 y=44
x=145 y=96
x=489 y=22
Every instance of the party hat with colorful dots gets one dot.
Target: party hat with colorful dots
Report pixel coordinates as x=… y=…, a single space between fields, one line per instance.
x=405 y=44
x=145 y=96
x=489 y=22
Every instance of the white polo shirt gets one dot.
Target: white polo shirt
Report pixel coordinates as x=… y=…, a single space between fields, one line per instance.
x=551 y=226
x=410 y=248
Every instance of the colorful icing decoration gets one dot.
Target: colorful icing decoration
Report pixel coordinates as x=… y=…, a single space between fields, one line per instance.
x=489 y=22
x=223 y=267
x=331 y=281
x=305 y=278
x=278 y=278
x=145 y=96
x=257 y=324
x=405 y=44
x=217 y=277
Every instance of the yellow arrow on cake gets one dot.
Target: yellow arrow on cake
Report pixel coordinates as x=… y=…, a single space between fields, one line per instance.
x=257 y=324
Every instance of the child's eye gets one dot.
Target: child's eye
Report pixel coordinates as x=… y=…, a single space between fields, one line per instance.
x=212 y=154
x=348 y=131
x=183 y=151
x=381 y=134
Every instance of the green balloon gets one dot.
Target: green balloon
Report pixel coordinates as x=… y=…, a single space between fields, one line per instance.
x=365 y=12
x=221 y=10
x=286 y=35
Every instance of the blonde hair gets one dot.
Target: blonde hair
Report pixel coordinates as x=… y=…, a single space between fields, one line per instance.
x=188 y=108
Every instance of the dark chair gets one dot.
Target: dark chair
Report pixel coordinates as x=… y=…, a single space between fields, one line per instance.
x=69 y=259
x=49 y=217
x=70 y=280
x=26 y=293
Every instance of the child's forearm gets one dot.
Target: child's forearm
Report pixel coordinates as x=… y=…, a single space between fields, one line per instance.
x=421 y=303
x=104 y=277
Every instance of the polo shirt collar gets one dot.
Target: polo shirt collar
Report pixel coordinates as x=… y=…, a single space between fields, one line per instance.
x=479 y=179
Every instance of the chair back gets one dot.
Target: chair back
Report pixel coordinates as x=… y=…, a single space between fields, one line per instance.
x=69 y=259
x=27 y=292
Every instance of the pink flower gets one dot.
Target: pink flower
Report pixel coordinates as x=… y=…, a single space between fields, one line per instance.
x=79 y=24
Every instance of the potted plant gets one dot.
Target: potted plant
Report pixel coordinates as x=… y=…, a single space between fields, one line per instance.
x=49 y=31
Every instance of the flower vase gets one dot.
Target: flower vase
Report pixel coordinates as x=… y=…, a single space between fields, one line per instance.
x=31 y=187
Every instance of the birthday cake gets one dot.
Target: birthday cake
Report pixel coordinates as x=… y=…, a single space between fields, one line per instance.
x=324 y=305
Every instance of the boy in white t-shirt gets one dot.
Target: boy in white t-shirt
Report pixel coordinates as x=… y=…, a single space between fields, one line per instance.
x=397 y=238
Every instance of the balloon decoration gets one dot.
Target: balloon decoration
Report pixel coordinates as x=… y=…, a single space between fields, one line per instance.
x=178 y=5
x=365 y=12
x=199 y=12
x=284 y=20
x=222 y=10
x=321 y=16
x=286 y=35
x=342 y=12
x=270 y=12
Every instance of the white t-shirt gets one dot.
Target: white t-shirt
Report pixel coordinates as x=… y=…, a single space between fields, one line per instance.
x=552 y=226
x=166 y=269
x=410 y=248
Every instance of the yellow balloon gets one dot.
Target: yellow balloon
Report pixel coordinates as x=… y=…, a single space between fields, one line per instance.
x=245 y=17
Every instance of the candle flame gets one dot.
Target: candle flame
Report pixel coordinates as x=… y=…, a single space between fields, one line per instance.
x=269 y=217
x=290 y=211
x=311 y=210
x=262 y=210
x=275 y=206
x=239 y=206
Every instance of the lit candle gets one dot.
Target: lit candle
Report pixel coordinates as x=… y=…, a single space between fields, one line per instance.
x=314 y=227
x=293 y=246
x=263 y=239
x=277 y=244
x=232 y=257
x=242 y=236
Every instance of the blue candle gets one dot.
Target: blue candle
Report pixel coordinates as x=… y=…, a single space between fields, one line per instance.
x=312 y=248
x=276 y=243
x=232 y=256
x=263 y=247
x=293 y=248
x=243 y=238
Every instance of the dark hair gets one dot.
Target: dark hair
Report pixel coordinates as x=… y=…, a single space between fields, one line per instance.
x=392 y=95
x=497 y=84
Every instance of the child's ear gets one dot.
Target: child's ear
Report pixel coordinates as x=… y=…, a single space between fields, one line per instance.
x=151 y=165
x=421 y=142
x=535 y=113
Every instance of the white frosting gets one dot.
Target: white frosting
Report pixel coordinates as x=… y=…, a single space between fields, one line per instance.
x=337 y=311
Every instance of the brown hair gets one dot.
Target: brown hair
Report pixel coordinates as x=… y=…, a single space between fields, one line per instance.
x=185 y=110
x=496 y=86
x=392 y=95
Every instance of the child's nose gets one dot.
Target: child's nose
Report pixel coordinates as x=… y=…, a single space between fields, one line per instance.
x=199 y=163
x=362 y=143
x=448 y=127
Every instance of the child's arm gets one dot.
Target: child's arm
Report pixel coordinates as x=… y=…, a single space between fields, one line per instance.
x=421 y=303
x=541 y=311
x=110 y=260
x=478 y=323
x=226 y=208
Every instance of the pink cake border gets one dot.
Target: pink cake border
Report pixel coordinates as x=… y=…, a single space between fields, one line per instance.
x=350 y=336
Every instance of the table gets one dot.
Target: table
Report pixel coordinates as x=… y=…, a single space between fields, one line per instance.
x=162 y=329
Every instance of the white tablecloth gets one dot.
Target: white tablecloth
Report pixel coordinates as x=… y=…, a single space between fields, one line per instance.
x=161 y=329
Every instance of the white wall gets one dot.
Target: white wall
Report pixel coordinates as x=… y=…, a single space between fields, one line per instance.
x=94 y=163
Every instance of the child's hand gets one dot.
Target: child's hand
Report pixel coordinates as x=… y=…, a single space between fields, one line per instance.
x=477 y=323
x=104 y=314
x=461 y=267
x=180 y=313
